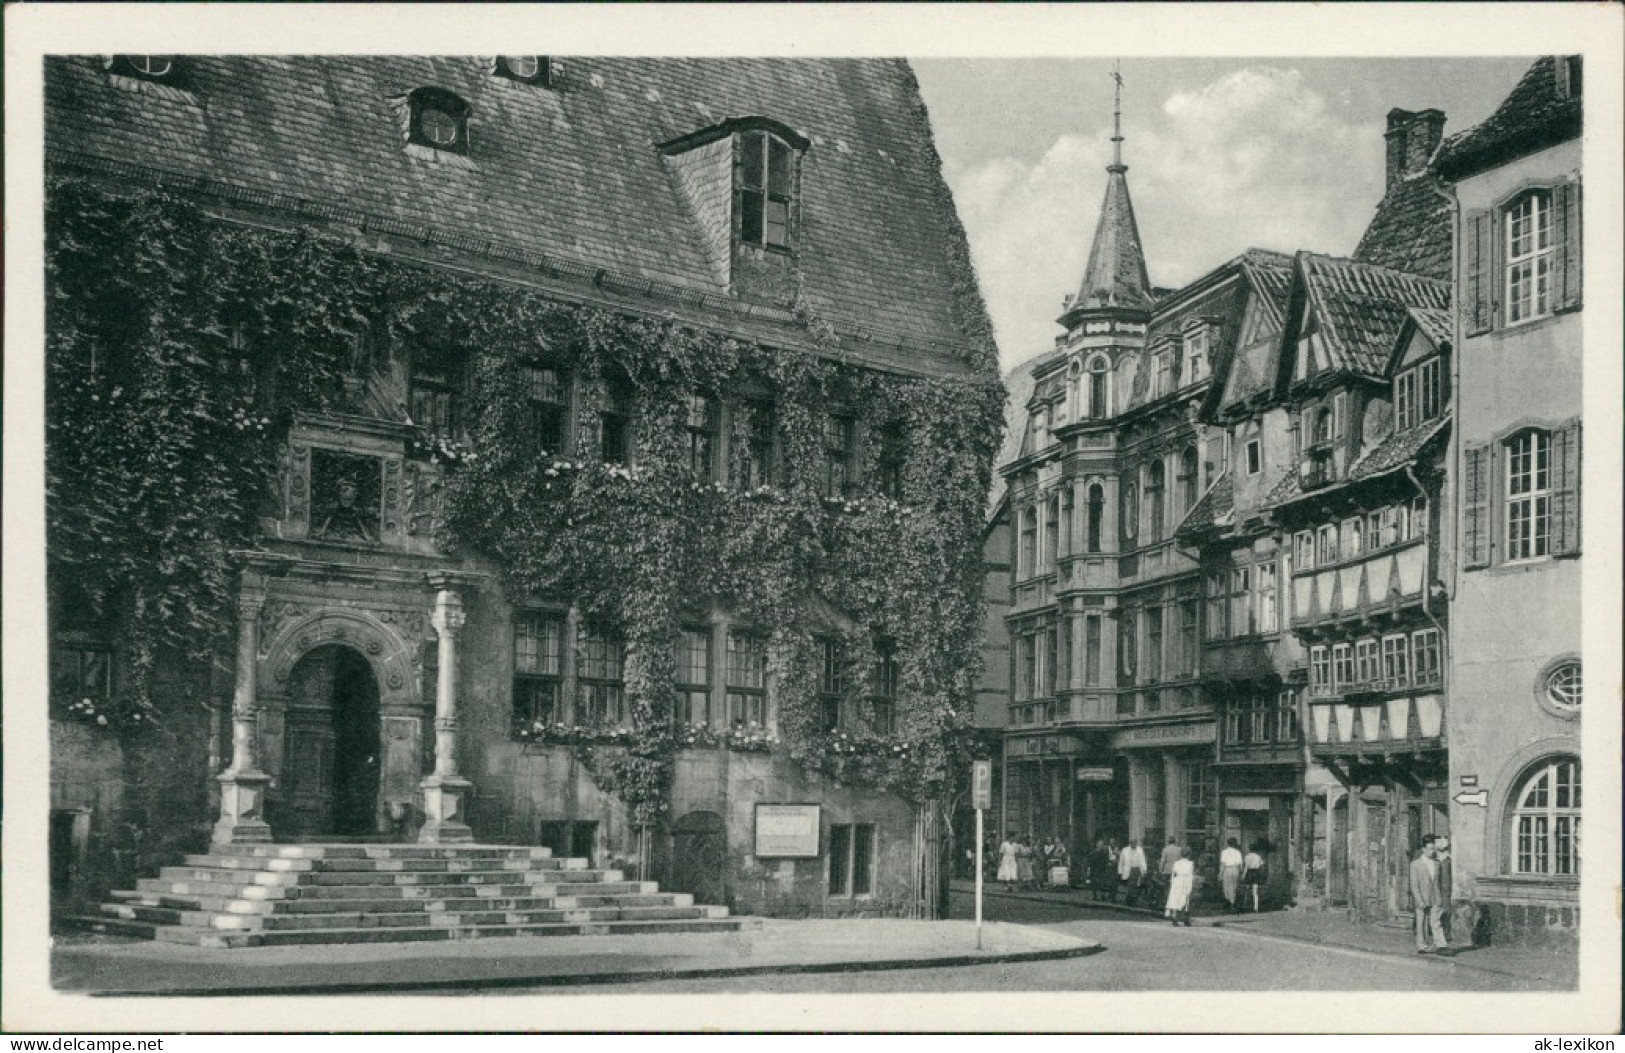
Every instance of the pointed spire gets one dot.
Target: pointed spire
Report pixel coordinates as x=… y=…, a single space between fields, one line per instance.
x=1116 y=275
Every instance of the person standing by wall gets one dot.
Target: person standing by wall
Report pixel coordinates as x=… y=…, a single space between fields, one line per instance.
x=1425 y=898
x=1009 y=872
x=1230 y=867
x=1441 y=856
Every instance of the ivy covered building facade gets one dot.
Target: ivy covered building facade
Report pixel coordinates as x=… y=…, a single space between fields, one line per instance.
x=576 y=453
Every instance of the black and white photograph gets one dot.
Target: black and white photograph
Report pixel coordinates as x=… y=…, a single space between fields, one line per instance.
x=845 y=525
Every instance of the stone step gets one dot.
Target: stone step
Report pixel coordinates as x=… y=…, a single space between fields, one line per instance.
x=109 y=926
x=382 y=865
x=340 y=850
x=200 y=937
x=509 y=876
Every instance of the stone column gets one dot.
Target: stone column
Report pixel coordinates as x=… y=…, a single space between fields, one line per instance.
x=445 y=793
x=243 y=785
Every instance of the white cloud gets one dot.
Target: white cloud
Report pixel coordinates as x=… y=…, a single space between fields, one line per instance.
x=1254 y=158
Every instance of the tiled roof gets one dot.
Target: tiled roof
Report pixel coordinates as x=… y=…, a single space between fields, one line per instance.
x=1246 y=371
x=1393 y=452
x=1116 y=275
x=1535 y=115
x=1411 y=228
x=1435 y=324
x=1216 y=508
x=1396 y=450
x=1361 y=308
x=569 y=172
x=1271 y=274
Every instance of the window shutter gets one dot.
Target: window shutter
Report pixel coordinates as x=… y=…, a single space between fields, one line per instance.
x=1566 y=218
x=1475 y=512
x=1477 y=302
x=1566 y=489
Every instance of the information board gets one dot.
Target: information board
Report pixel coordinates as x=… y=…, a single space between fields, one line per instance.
x=787 y=831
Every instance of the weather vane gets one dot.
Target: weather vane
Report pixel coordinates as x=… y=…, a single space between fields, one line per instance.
x=1117 y=114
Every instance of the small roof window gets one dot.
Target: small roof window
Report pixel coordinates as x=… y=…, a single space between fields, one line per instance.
x=526 y=69
x=438 y=119
x=146 y=67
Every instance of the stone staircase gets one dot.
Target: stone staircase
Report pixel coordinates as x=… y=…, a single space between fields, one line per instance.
x=276 y=895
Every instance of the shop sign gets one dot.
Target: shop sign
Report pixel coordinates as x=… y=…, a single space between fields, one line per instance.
x=1165 y=735
x=1046 y=746
x=1247 y=804
x=1095 y=774
x=787 y=831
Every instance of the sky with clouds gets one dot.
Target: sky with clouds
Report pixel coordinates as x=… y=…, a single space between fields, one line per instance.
x=1223 y=155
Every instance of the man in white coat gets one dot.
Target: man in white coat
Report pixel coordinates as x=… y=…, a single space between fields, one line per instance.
x=1131 y=871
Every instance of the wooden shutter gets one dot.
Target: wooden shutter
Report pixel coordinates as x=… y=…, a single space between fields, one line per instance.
x=1475 y=511
x=1566 y=257
x=1479 y=293
x=1566 y=489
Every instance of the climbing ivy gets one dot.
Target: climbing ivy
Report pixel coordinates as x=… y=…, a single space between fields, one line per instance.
x=153 y=479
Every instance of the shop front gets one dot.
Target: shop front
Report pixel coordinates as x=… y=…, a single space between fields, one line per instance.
x=1171 y=787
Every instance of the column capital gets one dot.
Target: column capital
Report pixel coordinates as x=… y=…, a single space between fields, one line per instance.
x=449 y=617
x=250 y=601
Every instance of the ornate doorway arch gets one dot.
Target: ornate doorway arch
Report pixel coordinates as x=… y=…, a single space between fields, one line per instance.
x=342 y=726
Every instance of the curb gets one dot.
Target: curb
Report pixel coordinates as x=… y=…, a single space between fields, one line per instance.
x=588 y=979
x=1448 y=960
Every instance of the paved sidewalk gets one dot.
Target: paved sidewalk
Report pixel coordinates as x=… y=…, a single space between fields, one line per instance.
x=1330 y=928
x=115 y=966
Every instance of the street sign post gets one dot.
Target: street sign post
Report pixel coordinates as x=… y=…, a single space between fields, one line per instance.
x=981 y=792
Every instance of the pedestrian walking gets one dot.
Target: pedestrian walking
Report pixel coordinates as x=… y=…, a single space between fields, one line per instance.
x=1181 y=883
x=1165 y=865
x=1009 y=871
x=1103 y=870
x=1131 y=871
x=1425 y=899
x=1254 y=874
x=1230 y=867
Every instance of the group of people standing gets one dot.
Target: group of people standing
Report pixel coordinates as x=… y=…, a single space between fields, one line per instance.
x=1431 y=887
x=1023 y=862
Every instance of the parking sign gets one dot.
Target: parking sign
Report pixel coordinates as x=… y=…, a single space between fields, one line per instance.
x=981 y=784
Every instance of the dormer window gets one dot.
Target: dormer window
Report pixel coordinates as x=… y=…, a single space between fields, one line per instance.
x=1196 y=353
x=1418 y=394
x=764 y=191
x=439 y=120
x=145 y=67
x=526 y=69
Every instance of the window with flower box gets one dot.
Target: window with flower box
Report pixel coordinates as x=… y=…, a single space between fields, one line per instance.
x=538 y=668
x=694 y=676
x=600 y=688
x=747 y=679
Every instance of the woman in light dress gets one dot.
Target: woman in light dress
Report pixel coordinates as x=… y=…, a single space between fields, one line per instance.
x=1181 y=881
x=1008 y=872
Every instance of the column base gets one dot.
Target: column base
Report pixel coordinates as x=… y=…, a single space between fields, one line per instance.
x=444 y=798
x=242 y=808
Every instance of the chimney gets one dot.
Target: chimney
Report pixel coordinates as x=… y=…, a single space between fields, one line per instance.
x=1412 y=138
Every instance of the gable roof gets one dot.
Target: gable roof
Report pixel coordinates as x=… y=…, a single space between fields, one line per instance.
x=1535 y=115
x=1244 y=372
x=569 y=173
x=1360 y=309
x=1216 y=508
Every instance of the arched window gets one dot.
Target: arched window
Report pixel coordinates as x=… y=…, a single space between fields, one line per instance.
x=1545 y=821
x=1097 y=514
x=1188 y=483
x=1154 y=485
x=1529 y=244
x=1098 y=387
